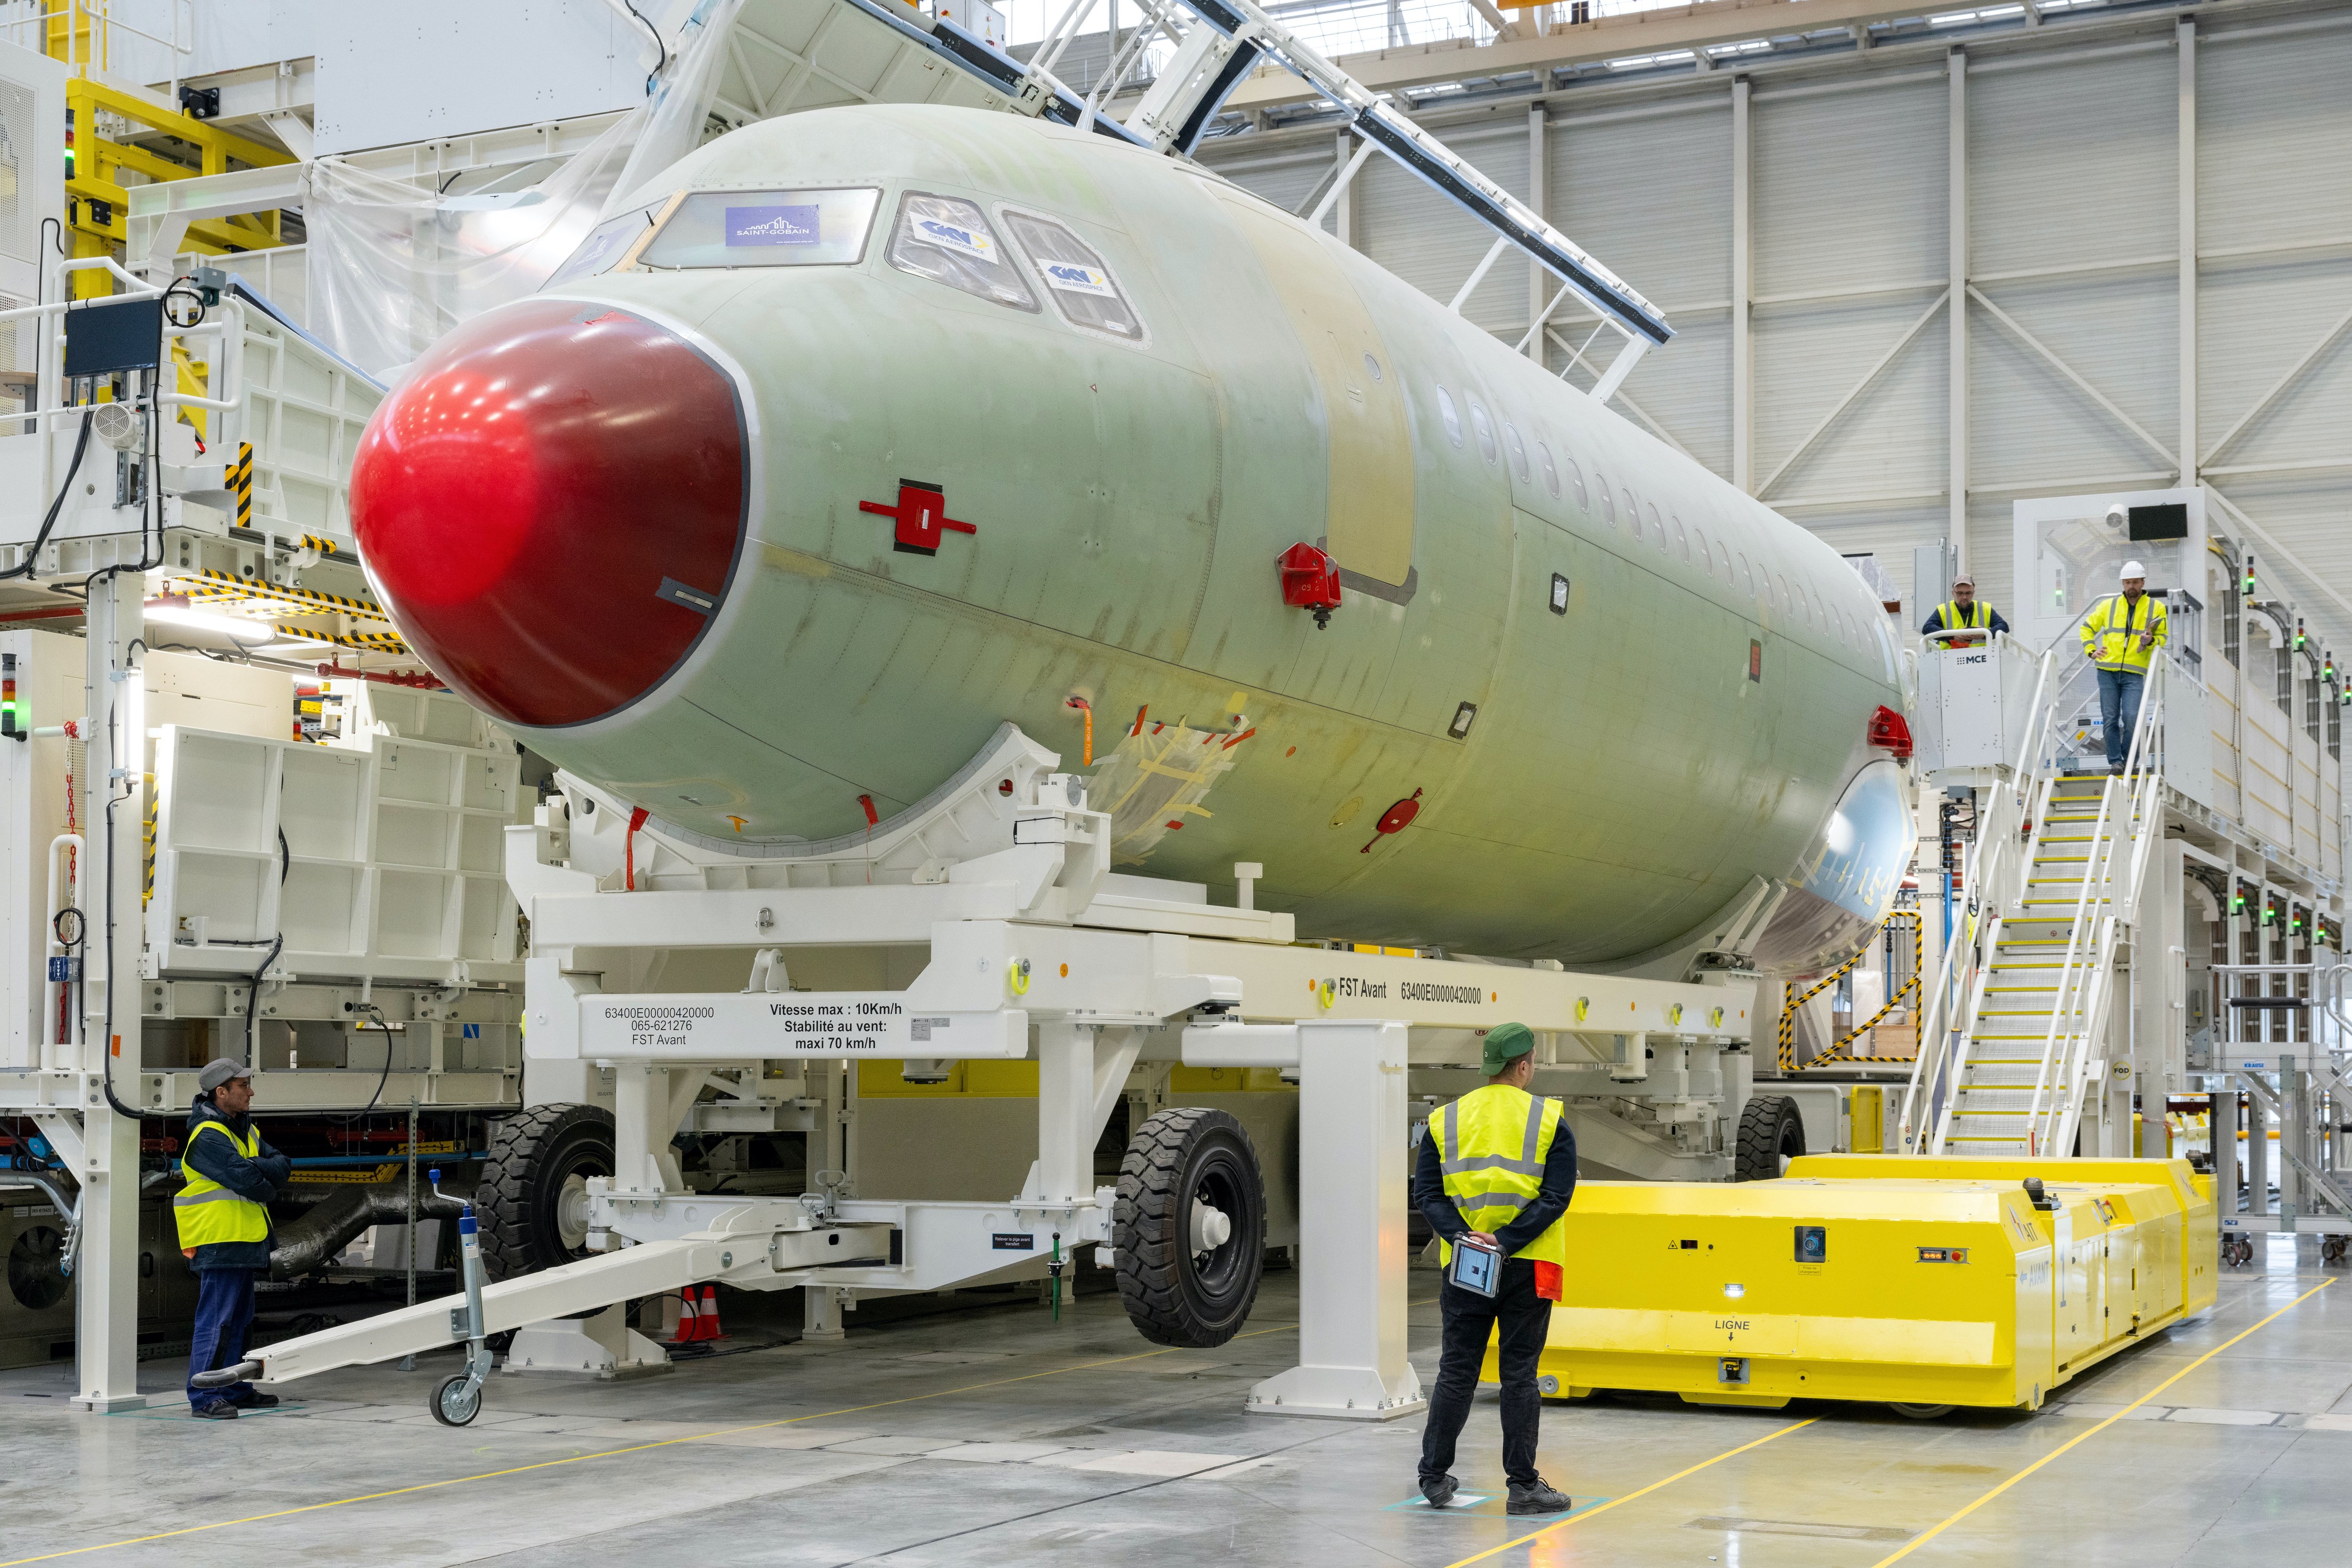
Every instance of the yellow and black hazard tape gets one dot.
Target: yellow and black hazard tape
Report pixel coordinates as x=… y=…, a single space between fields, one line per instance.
x=380 y=642
x=1788 y=1042
x=147 y=840
x=310 y=598
x=324 y=547
x=238 y=479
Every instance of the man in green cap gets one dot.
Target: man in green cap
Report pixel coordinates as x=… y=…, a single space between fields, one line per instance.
x=1497 y=1170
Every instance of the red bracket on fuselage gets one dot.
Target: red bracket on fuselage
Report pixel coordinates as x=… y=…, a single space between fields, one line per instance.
x=921 y=513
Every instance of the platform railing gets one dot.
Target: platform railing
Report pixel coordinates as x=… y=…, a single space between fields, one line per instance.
x=1993 y=875
x=2084 y=986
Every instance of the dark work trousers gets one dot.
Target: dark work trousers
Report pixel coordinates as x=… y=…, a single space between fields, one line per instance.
x=224 y=1312
x=1525 y=1317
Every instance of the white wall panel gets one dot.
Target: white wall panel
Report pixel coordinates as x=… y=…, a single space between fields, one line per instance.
x=2273 y=124
x=2072 y=162
x=1285 y=181
x=1849 y=188
x=1425 y=240
x=1652 y=198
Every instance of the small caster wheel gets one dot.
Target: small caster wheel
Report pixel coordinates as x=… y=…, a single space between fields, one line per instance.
x=1921 y=1411
x=2331 y=1251
x=457 y=1401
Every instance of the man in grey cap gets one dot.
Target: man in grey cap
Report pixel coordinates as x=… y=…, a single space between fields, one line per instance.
x=1497 y=1170
x=222 y=1214
x=1964 y=611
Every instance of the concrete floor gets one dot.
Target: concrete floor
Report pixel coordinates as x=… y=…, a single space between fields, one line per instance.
x=1001 y=1438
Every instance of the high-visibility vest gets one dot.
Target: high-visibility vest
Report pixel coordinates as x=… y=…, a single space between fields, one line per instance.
x=1491 y=1147
x=207 y=1213
x=2112 y=640
x=1976 y=617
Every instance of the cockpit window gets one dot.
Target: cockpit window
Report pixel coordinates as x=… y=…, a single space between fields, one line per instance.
x=605 y=245
x=765 y=228
x=949 y=242
x=1082 y=287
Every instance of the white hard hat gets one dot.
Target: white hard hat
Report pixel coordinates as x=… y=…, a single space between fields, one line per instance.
x=2132 y=569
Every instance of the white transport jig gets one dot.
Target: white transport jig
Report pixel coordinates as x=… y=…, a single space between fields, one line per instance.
x=1033 y=948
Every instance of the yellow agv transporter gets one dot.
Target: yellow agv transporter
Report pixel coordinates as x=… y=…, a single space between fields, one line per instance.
x=1924 y=1284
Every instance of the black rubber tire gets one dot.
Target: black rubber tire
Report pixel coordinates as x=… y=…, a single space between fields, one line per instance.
x=1771 y=1130
x=1173 y=1297
x=531 y=1155
x=1920 y=1412
x=465 y=1410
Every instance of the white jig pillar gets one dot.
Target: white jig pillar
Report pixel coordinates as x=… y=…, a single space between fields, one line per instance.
x=106 y=1283
x=1352 y=1178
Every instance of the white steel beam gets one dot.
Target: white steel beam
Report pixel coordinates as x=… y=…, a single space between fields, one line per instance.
x=1956 y=66
x=1743 y=281
x=1337 y=197
x=1539 y=198
x=2185 y=168
x=1478 y=274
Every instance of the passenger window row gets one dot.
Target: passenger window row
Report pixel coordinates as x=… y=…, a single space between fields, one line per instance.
x=1715 y=559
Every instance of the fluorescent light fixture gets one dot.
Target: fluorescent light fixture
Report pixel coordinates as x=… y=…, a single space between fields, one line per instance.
x=235 y=628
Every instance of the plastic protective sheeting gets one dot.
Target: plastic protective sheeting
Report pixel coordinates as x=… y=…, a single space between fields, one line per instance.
x=677 y=117
x=393 y=265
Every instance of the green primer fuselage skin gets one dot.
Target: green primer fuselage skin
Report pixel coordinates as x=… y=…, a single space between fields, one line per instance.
x=1624 y=776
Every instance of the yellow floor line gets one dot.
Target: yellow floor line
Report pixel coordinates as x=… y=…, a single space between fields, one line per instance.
x=1926 y=1536
x=1612 y=1502
x=608 y=1454
x=615 y=1453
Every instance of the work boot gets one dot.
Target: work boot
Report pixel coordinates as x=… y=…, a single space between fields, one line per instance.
x=257 y=1401
x=1538 y=1497
x=1439 y=1489
x=219 y=1410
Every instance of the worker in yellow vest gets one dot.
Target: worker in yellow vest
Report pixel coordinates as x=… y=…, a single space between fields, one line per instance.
x=1495 y=1170
x=222 y=1214
x=1964 y=611
x=2120 y=635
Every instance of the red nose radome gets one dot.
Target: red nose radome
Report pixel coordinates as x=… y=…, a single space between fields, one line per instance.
x=552 y=505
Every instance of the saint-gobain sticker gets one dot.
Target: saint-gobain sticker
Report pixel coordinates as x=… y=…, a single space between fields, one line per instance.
x=1076 y=279
x=772 y=225
x=948 y=237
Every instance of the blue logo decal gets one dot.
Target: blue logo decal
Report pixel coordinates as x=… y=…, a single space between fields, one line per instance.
x=772 y=225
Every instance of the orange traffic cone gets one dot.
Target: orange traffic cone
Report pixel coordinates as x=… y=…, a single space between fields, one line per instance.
x=705 y=1321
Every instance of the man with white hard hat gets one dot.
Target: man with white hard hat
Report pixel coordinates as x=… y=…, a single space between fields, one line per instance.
x=222 y=1214
x=2120 y=636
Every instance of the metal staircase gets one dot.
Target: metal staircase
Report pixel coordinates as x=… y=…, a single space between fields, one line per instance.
x=2013 y=1041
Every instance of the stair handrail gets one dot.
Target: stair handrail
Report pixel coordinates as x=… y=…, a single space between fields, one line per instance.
x=2074 y=1076
x=1942 y=1132
x=1988 y=858
x=2082 y=965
